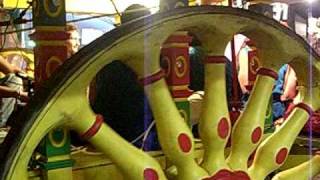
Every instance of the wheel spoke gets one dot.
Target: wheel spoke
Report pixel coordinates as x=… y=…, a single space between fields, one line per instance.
x=273 y=151
x=132 y=162
x=60 y=101
x=215 y=124
x=175 y=137
x=306 y=170
x=248 y=130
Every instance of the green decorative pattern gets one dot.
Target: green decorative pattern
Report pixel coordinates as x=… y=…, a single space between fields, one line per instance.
x=55 y=143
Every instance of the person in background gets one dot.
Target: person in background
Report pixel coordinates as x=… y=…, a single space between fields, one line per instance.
x=73 y=43
x=283 y=92
x=314 y=39
x=289 y=93
x=11 y=90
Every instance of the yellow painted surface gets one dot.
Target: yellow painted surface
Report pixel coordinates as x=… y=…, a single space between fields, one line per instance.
x=94 y=165
x=170 y=125
x=252 y=117
x=15 y=4
x=213 y=26
x=305 y=170
x=59 y=174
x=214 y=109
x=264 y=163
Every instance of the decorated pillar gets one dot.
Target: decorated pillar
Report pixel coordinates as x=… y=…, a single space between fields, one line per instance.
x=253 y=67
x=176 y=63
x=253 y=64
x=50 y=51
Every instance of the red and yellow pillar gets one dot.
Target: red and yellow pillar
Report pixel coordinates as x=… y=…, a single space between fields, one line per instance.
x=176 y=63
x=50 y=52
x=50 y=37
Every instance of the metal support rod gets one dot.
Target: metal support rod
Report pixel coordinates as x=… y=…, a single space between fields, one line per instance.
x=235 y=94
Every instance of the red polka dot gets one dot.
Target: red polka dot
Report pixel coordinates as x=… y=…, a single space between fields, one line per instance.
x=150 y=174
x=305 y=107
x=184 y=142
x=282 y=155
x=223 y=128
x=256 y=135
x=93 y=130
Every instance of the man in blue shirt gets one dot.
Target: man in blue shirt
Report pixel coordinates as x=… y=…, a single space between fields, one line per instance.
x=278 y=104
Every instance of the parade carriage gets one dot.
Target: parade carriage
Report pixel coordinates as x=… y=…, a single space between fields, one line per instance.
x=38 y=146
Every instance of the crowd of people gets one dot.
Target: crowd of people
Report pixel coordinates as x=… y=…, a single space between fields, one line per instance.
x=11 y=90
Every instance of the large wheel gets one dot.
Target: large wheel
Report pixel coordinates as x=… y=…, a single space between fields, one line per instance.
x=63 y=101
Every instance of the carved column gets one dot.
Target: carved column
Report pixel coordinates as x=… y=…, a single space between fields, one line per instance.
x=176 y=63
x=50 y=52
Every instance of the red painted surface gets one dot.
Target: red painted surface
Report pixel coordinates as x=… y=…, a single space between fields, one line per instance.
x=94 y=128
x=235 y=81
x=305 y=107
x=268 y=72
x=181 y=93
x=184 y=142
x=234 y=115
x=150 y=174
x=229 y=175
x=281 y=155
x=253 y=65
x=44 y=53
x=215 y=59
x=256 y=135
x=174 y=54
x=223 y=128
x=52 y=66
x=251 y=158
x=50 y=35
x=152 y=78
x=313 y=124
x=166 y=66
